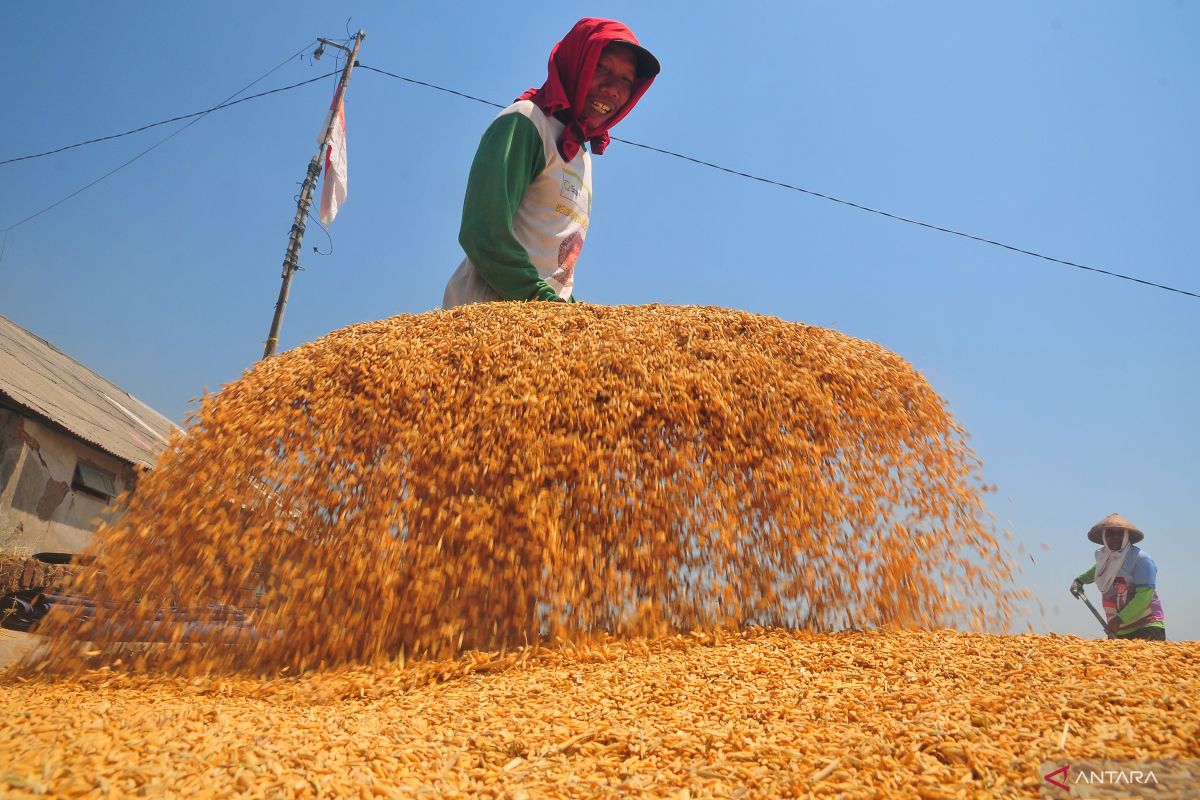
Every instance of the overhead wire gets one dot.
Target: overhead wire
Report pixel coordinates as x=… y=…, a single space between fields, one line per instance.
x=168 y=121
x=430 y=85
x=911 y=221
x=831 y=198
x=197 y=117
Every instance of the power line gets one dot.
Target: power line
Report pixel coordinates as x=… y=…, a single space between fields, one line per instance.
x=822 y=196
x=167 y=121
x=431 y=86
x=912 y=221
x=197 y=117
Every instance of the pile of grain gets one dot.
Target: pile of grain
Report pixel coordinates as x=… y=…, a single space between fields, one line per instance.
x=751 y=715
x=502 y=474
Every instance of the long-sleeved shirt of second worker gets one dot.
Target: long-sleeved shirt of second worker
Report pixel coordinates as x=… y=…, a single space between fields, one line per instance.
x=1131 y=603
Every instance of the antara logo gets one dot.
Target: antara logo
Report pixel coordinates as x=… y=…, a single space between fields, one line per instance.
x=1061 y=777
x=1115 y=776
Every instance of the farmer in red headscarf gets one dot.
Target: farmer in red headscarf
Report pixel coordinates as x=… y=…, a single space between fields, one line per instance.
x=529 y=194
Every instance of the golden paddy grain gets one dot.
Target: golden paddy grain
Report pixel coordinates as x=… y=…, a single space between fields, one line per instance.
x=505 y=473
x=754 y=714
x=529 y=550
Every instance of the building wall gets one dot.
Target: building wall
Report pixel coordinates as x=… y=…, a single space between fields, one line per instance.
x=39 y=511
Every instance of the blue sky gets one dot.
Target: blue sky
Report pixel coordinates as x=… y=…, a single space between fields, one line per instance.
x=1067 y=128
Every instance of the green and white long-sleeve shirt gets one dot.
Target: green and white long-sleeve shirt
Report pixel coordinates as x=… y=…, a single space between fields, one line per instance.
x=525 y=214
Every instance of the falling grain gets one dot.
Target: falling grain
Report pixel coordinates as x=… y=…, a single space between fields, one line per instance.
x=503 y=474
x=567 y=550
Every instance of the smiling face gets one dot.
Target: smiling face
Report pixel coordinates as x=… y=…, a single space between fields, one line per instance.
x=611 y=87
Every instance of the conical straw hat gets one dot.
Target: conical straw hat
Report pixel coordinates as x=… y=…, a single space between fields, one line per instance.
x=1096 y=534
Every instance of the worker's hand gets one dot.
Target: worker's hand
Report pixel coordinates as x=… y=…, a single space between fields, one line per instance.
x=1112 y=627
x=546 y=292
x=1076 y=588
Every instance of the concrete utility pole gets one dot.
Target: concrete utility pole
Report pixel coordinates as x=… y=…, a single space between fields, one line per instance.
x=291 y=259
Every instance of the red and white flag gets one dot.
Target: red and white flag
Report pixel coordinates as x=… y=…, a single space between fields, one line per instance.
x=333 y=190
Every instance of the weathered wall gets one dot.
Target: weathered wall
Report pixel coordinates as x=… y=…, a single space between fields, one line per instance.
x=39 y=510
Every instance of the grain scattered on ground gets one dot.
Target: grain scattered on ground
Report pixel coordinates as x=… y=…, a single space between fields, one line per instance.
x=758 y=714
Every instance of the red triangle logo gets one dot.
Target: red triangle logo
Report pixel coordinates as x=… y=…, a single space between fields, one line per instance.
x=1063 y=770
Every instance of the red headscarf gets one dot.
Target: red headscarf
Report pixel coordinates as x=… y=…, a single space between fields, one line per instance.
x=572 y=65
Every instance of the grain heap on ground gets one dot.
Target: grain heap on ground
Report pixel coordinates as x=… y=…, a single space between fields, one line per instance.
x=401 y=506
x=748 y=715
x=506 y=473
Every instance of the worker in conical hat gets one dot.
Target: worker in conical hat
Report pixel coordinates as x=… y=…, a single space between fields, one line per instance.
x=1126 y=577
x=529 y=194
